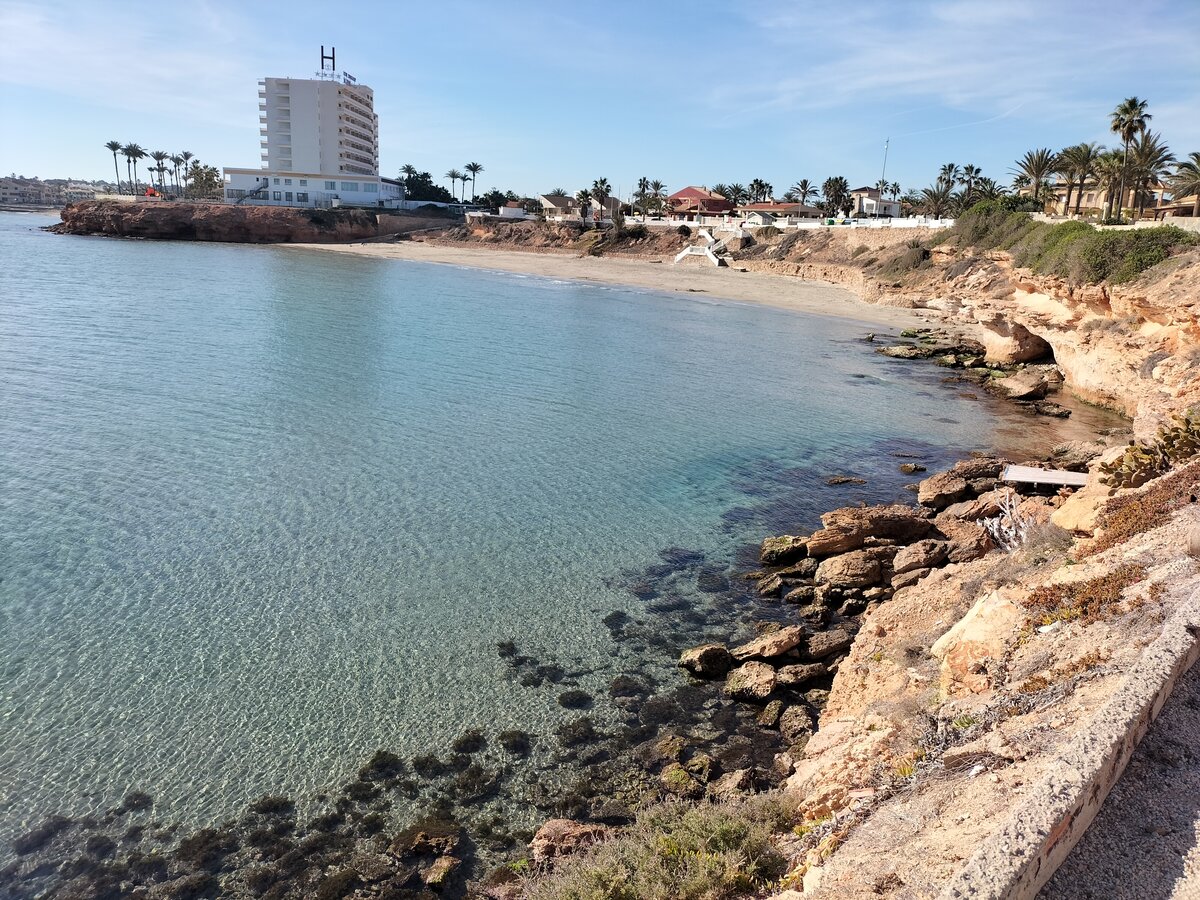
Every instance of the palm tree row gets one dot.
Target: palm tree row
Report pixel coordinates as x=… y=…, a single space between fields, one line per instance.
x=942 y=200
x=454 y=177
x=134 y=152
x=650 y=193
x=1142 y=161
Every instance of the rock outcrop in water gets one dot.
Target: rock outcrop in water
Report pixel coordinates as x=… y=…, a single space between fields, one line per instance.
x=176 y=221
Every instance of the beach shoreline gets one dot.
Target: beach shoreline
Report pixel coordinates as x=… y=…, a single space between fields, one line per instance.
x=778 y=291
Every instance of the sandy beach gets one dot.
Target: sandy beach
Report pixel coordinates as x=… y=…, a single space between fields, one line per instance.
x=814 y=297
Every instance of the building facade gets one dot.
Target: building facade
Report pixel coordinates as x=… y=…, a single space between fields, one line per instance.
x=267 y=187
x=325 y=125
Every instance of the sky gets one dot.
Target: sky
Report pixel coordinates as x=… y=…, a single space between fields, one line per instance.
x=558 y=94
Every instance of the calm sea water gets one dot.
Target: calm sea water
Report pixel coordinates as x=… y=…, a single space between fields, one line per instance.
x=263 y=511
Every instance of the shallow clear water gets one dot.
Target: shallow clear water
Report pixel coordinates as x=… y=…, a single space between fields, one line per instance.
x=263 y=511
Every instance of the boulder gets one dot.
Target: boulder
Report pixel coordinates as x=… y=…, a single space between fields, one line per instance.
x=848 y=528
x=707 y=660
x=778 y=551
x=751 y=682
x=796 y=724
x=815 y=613
x=563 y=837
x=826 y=643
x=732 y=784
x=770 y=586
x=921 y=555
x=985 y=506
x=980 y=638
x=977 y=467
x=908 y=579
x=942 y=490
x=968 y=540
x=792 y=676
x=771 y=644
x=803 y=594
x=804 y=568
x=858 y=568
x=1028 y=384
x=769 y=717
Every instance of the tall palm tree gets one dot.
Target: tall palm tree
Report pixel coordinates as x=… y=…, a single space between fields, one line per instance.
x=160 y=157
x=1186 y=181
x=1036 y=165
x=132 y=153
x=473 y=168
x=720 y=188
x=1108 y=170
x=1064 y=165
x=937 y=200
x=600 y=191
x=584 y=198
x=737 y=194
x=836 y=192
x=970 y=176
x=894 y=190
x=176 y=162
x=987 y=189
x=1128 y=120
x=453 y=177
x=642 y=193
x=115 y=148
x=408 y=170
x=949 y=175
x=1084 y=157
x=658 y=192
x=804 y=191
x=1150 y=163
x=187 y=156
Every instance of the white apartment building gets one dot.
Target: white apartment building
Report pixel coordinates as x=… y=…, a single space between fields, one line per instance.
x=325 y=125
x=267 y=187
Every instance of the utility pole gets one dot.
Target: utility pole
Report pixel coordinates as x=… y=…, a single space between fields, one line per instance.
x=883 y=177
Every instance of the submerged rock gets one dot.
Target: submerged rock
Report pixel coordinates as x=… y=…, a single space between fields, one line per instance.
x=778 y=551
x=707 y=660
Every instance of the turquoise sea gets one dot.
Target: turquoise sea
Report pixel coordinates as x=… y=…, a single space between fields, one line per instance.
x=265 y=510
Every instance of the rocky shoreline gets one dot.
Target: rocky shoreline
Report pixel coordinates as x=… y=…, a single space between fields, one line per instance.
x=738 y=728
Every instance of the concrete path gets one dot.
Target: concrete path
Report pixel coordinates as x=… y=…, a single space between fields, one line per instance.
x=1145 y=843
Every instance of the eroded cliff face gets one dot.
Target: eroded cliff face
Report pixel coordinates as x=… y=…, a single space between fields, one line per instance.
x=234 y=224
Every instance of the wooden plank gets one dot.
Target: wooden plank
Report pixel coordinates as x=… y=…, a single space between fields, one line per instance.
x=1031 y=475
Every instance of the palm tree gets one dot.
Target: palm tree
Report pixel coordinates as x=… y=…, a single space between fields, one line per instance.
x=176 y=162
x=970 y=176
x=600 y=191
x=408 y=170
x=658 y=192
x=1108 y=170
x=132 y=153
x=1082 y=159
x=736 y=194
x=1152 y=161
x=115 y=148
x=949 y=175
x=187 y=157
x=836 y=192
x=894 y=190
x=937 y=200
x=473 y=168
x=1128 y=120
x=1035 y=165
x=987 y=189
x=584 y=198
x=642 y=193
x=722 y=189
x=160 y=157
x=804 y=191
x=453 y=177
x=1186 y=181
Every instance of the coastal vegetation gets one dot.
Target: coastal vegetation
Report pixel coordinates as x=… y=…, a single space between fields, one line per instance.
x=191 y=179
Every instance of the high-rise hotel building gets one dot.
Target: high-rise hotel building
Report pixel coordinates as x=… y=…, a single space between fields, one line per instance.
x=321 y=125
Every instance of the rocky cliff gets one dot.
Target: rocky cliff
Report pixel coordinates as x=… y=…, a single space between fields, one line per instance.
x=235 y=224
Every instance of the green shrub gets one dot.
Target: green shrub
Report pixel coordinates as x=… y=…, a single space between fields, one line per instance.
x=680 y=851
x=1121 y=256
x=635 y=231
x=768 y=231
x=684 y=231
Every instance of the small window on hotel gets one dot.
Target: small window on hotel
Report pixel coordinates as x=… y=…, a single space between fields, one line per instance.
x=276 y=193
x=303 y=182
x=302 y=197
x=287 y=195
x=331 y=185
x=371 y=188
x=277 y=181
x=287 y=181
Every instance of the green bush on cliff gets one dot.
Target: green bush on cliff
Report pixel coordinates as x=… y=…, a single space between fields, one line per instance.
x=1072 y=250
x=678 y=850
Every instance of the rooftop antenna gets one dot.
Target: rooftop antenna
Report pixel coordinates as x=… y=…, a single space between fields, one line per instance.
x=331 y=57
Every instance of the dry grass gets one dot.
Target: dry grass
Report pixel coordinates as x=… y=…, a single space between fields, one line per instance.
x=1087 y=601
x=1128 y=515
x=679 y=851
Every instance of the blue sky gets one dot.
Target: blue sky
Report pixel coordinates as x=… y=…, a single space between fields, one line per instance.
x=556 y=94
